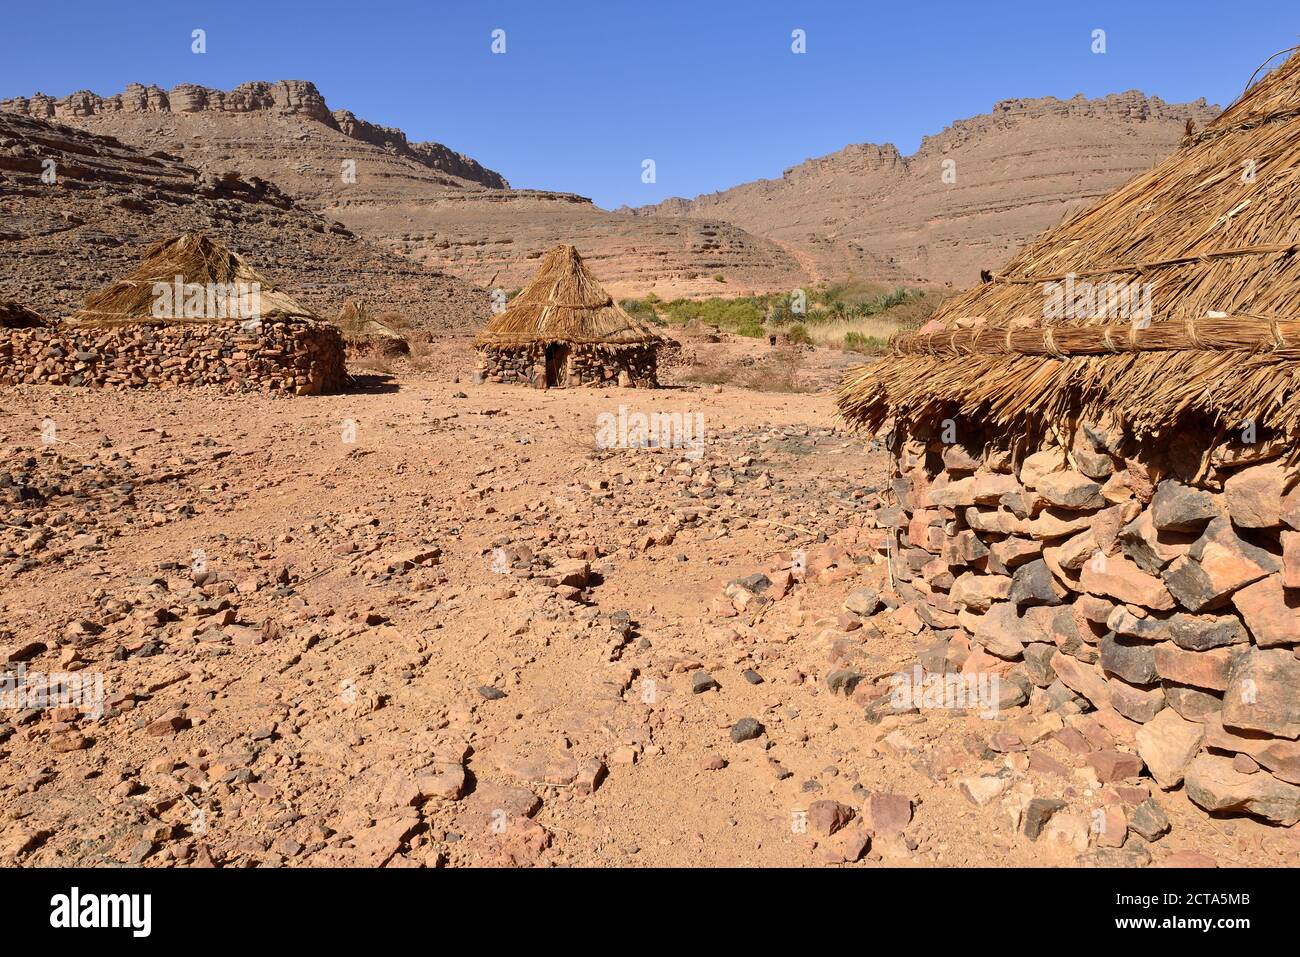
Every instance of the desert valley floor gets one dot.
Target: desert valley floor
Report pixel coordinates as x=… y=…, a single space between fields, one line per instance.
x=384 y=652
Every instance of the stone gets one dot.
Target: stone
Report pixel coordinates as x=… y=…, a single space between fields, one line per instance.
x=1194 y=704
x=1041 y=464
x=448 y=784
x=1111 y=826
x=1280 y=756
x=746 y=729
x=1218 y=564
x=590 y=775
x=1138 y=703
x=889 y=812
x=1082 y=678
x=1034 y=584
x=1166 y=744
x=980 y=789
x=1134 y=661
x=1200 y=669
x=1176 y=507
x=1038 y=812
x=1112 y=765
x=846 y=845
x=1271 y=612
x=843 y=681
x=1213 y=784
x=1148 y=821
x=1290 y=559
x=1119 y=577
x=1070 y=490
x=863 y=602
x=1254 y=495
x=1150 y=548
x=491 y=693
x=979 y=592
x=1192 y=632
x=1261 y=694
x=702 y=681
x=826 y=817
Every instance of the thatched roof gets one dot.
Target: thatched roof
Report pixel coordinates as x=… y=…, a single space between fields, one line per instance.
x=564 y=303
x=15 y=316
x=1214 y=230
x=233 y=290
x=363 y=331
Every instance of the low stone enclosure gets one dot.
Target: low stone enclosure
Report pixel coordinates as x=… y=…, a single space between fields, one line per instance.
x=577 y=365
x=297 y=357
x=1155 y=590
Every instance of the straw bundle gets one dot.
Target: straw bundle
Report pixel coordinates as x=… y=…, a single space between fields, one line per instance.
x=564 y=303
x=196 y=260
x=1208 y=238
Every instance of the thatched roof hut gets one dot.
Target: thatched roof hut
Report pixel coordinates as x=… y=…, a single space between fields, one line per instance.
x=15 y=316
x=564 y=329
x=1173 y=299
x=364 y=333
x=189 y=279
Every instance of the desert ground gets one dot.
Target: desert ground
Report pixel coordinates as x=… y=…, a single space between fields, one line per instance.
x=431 y=623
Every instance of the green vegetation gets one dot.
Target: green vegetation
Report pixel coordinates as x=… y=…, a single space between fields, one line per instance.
x=847 y=315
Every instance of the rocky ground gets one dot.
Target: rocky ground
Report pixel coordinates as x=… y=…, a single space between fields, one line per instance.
x=432 y=623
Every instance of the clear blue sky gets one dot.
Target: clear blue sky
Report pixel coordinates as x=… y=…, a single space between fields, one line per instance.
x=708 y=89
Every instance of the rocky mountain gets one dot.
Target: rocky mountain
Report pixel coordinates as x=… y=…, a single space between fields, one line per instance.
x=869 y=210
x=430 y=203
x=78 y=209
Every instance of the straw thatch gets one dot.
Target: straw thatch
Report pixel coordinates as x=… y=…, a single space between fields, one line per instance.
x=364 y=332
x=1214 y=230
x=564 y=304
x=15 y=316
x=197 y=260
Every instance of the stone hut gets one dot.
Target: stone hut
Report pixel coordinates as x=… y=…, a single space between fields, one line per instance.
x=1094 y=470
x=564 y=329
x=192 y=313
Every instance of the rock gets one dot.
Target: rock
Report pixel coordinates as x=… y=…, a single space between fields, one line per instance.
x=980 y=789
x=890 y=812
x=1038 y=813
x=167 y=725
x=1192 y=632
x=1112 y=765
x=1261 y=693
x=863 y=602
x=746 y=729
x=491 y=693
x=846 y=846
x=1194 y=704
x=1214 y=785
x=1138 y=703
x=448 y=784
x=1039 y=465
x=1254 y=495
x=1167 y=743
x=1083 y=678
x=1070 y=490
x=1150 y=548
x=1272 y=613
x=1118 y=577
x=1200 y=669
x=1134 y=661
x=1219 y=563
x=827 y=817
x=590 y=776
x=843 y=681
x=1034 y=584
x=979 y=592
x=1176 y=507
x=1148 y=821
x=702 y=681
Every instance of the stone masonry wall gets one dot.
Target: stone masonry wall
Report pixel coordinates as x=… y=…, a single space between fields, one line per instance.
x=1152 y=603
x=632 y=367
x=294 y=357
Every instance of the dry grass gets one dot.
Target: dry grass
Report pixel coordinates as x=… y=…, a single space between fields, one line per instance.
x=780 y=371
x=564 y=303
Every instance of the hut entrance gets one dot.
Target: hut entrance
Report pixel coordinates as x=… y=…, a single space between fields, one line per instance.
x=557 y=365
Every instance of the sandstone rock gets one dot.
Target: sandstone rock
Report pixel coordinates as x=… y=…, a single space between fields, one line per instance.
x=1070 y=490
x=827 y=817
x=1219 y=563
x=1038 y=812
x=1193 y=632
x=1134 y=661
x=1200 y=669
x=1151 y=548
x=1112 y=765
x=1148 y=821
x=1034 y=584
x=1180 y=508
x=1272 y=612
x=1118 y=577
x=1254 y=495
x=1214 y=785
x=1261 y=695
x=1167 y=743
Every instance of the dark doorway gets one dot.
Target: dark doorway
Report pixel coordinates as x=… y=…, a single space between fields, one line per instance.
x=557 y=365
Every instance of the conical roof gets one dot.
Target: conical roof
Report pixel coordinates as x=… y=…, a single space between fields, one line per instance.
x=564 y=303
x=189 y=279
x=1174 y=296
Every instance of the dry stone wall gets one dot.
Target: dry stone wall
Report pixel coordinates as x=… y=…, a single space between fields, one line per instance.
x=1151 y=592
x=300 y=358
x=632 y=367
